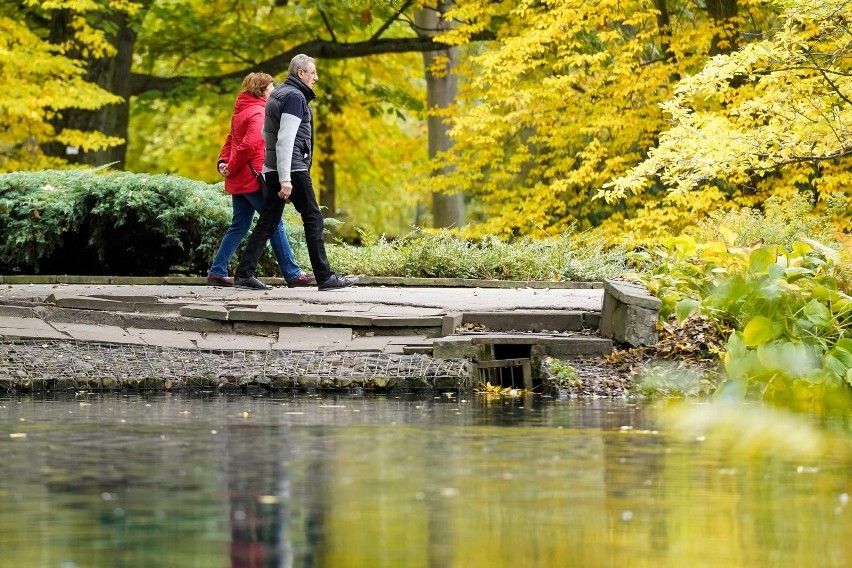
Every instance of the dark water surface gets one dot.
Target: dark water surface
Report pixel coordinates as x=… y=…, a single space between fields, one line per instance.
x=419 y=481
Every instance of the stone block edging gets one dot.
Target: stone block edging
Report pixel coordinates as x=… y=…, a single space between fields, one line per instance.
x=363 y=281
x=630 y=313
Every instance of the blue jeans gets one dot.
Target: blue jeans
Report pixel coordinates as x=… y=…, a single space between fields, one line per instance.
x=245 y=205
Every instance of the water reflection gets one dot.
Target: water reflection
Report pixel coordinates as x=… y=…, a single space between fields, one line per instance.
x=391 y=481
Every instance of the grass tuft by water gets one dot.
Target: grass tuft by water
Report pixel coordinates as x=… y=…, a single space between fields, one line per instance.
x=574 y=257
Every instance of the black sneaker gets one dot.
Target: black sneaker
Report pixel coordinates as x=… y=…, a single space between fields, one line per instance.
x=250 y=282
x=334 y=282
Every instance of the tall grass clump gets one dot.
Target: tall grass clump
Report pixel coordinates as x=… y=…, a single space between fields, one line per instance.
x=779 y=221
x=421 y=254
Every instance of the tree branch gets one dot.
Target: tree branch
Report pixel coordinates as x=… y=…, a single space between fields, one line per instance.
x=328 y=25
x=842 y=153
x=322 y=49
x=391 y=20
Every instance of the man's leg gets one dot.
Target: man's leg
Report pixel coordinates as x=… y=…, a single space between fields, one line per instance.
x=270 y=215
x=305 y=202
x=280 y=245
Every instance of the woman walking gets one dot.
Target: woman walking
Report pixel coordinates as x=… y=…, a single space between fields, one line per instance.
x=239 y=163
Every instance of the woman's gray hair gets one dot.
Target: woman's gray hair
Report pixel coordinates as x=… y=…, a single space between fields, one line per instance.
x=299 y=63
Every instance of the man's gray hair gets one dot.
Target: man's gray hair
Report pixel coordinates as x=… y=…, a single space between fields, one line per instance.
x=299 y=63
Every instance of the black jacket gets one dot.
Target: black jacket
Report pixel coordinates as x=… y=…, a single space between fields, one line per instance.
x=290 y=97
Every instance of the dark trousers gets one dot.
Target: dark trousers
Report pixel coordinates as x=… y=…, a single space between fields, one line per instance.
x=305 y=202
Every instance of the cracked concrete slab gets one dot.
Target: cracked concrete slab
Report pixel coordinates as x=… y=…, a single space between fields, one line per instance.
x=167 y=338
x=234 y=342
x=312 y=338
x=100 y=333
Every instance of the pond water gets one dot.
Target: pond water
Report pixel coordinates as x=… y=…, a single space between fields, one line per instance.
x=192 y=480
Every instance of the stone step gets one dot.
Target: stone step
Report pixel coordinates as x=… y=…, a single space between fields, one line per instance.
x=491 y=346
x=251 y=318
x=534 y=320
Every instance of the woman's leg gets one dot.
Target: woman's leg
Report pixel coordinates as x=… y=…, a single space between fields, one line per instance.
x=270 y=216
x=240 y=223
x=280 y=244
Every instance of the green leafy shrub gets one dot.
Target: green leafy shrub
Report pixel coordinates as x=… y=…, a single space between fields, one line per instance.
x=108 y=222
x=784 y=221
x=788 y=324
x=563 y=375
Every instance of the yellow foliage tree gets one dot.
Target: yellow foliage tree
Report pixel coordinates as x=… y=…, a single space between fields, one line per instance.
x=567 y=99
x=40 y=82
x=379 y=140
x=772 y=118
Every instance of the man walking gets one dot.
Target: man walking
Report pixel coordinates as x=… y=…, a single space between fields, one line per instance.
x=288 y=132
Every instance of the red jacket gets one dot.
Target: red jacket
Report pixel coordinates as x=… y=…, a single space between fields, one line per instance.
x=244 y=144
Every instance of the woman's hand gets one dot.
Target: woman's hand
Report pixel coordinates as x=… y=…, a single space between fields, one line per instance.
x=223 y=169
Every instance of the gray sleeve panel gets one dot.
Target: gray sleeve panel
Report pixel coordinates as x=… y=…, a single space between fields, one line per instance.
x=287 y=130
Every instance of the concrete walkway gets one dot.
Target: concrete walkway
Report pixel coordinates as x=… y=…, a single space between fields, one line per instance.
x=374 y=318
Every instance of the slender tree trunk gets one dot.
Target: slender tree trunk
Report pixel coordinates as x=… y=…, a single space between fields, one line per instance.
x=665 y=26
x=112 y=74
x=448 y=210
x=325 y=140
x=723 y=11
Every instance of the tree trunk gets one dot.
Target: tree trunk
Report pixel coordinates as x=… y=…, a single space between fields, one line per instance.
x=113 y=75
x=665 y=26
x=448 y=210
x=723 y=11
x=325 y=140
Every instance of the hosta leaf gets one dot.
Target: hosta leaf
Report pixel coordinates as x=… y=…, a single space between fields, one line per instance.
x=760 y=330
x=817 y=313
x=761 y=259
x=838 y=362
x=685 y=307
x=796 y=272
x=736 y=345
x=839 y=359
x=787 y=358
x=769 y=292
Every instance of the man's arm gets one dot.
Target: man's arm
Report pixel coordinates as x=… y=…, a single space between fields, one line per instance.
x=287 y=129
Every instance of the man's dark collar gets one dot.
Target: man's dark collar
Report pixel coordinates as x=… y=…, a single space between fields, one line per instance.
x=299 y=84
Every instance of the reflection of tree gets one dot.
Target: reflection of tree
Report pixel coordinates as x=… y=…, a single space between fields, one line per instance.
x=314 y=493
x=440 y=512
x=634 y=478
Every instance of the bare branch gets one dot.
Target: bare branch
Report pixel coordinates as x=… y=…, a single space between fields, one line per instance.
x=800 y=159
x=323 y=49
x=391 y=20
x=328 y=25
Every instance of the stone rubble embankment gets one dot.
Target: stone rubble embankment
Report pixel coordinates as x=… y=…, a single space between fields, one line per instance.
x=102 y=335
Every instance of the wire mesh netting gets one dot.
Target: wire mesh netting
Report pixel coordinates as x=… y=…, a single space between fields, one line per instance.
x=84 y=361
